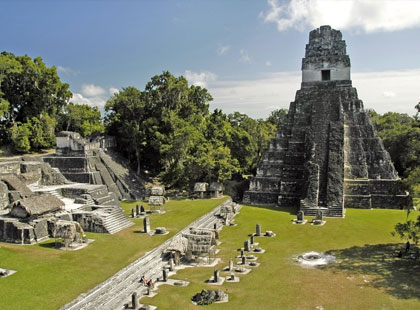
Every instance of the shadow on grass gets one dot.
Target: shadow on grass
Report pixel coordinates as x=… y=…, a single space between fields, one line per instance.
x=399 y=277
x=49 y=245
x=291 y=210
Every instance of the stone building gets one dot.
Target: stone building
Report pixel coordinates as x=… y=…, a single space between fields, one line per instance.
x=37 y=202
x=327 y=155
x=93 y=161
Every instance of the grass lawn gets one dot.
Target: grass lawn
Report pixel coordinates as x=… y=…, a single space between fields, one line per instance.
x=367 y=277
x=48 y=278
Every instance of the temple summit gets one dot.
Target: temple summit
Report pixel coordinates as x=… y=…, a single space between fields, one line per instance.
x=327 y=155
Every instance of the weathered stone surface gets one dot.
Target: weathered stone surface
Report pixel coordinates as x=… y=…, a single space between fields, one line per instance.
x=40 y=229
x=157 y=191
x=200 y=187
x=35 y=206
x=156 y=200
x=91 y=162
x=327 y=153
x=4 y=196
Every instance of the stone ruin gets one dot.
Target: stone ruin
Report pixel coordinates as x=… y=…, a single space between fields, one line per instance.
x=327 y=154
x=157 y=196
x=204 y=190
x=37 y=202
x=94 y=161
x=207 y=297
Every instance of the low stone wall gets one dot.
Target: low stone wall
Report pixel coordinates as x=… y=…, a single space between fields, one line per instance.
x=90 y=221
x=377 y=193
x=260 y=198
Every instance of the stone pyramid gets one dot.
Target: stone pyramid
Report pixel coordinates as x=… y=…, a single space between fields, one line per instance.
x=327 y=155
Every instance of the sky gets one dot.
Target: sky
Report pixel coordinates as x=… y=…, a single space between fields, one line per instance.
x=247 y=53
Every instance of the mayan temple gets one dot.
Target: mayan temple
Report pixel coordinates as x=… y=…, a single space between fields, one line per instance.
x=327 y=155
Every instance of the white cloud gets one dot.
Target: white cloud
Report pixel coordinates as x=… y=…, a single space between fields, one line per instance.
x=244 y=56
x=97 y=101
x=389 y=94
x=91 y=90
x=367 y=15
x=200 y=79
x=113 y=91
x=222 y=50
x=258 y=97
x=403 y=97
x=255 y=97
x=64 y=69
x=268 y=63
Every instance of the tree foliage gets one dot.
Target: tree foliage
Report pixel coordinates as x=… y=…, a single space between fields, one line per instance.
x=400 y=134
x=410 y=230
x=31 y=88
x=31 y=94
x=168 y=129
x=80 y=118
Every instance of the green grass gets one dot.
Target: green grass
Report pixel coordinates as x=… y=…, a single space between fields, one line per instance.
x=48 y=278
x=367 y=277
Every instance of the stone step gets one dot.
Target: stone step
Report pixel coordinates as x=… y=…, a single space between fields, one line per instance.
x=116 y=220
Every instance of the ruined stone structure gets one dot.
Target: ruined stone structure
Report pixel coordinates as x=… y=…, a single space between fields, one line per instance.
x=327 y=155
x=204 y=190
x=85 y=161
x=37 y=202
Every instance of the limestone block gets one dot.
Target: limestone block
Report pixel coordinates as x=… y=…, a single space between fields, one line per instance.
x=157 y=191
x=40 y=229
x=14 y=196
x=4 y=196
x=200 y=187
x=156 y=200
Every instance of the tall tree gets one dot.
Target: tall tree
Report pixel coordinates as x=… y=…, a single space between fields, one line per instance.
x=126 y=120
x=80 y=118
x=32 y=88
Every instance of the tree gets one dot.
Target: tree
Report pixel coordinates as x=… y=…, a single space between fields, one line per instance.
x=81 y=118
x=277 y=117
x=127 y=120
x=30 y=96
x=34 y=134
x=410 y=230
x=32 y=88
x=20 y=137
x=8 y=65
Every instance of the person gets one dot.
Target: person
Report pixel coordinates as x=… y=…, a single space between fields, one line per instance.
x=399 y=255
x=150 y=283
x=407 y=246
x=143 y=280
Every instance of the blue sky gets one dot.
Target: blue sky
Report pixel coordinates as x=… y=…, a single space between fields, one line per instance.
x=246 y=52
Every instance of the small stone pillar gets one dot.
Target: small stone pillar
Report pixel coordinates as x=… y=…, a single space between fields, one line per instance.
x=134 y=301
x=216 y=276
x=142 y=209
x=258 y=230
x=242 y=252
x=252 y=239
x=132 y=213
x=137 y=210
x=246 y=245
x=171 y=264
x=319 y=216
x=165 y=275
x=300 y=216
x=232 y=277
x=230 y=264
x=146 y=224
x=215 y=226
x=243 y=260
